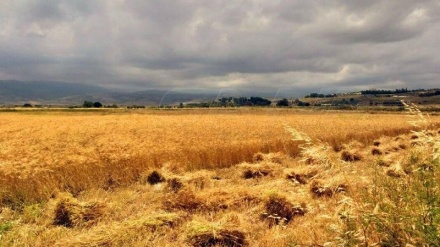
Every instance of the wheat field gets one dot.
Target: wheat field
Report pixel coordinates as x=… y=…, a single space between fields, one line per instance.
x=215 y=171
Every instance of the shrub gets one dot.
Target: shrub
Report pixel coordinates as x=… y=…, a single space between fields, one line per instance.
x=87 y=104
x=97 y=104
x=283 y=102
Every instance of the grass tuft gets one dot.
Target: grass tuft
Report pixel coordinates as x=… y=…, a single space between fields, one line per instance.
x=318 y=189
x=376 y=151
x=250 y=174
x=351 y=156
x=301 y=178
x=222 y=238
x=383 y=162
x=174 y=184
x=280 y=211
x=186 y=201
x=155 y=178
x=71 y=213
x=258 y=157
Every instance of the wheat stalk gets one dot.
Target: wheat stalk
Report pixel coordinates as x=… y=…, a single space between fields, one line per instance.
x=298 y=135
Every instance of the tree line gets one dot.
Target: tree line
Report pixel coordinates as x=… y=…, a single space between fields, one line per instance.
x=429 y=94
x=395 y=91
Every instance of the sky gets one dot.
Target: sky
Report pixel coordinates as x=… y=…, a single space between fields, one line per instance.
x=217 y=44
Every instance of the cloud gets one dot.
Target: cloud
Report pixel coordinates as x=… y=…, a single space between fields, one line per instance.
x=216 y=44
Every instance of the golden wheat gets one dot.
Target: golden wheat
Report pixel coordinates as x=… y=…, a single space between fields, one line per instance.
x=44 y=152
x=199 y=177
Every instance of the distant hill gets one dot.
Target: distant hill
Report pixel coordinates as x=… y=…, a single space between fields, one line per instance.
x=146 y=97
x=426 y=97
x=14 y=92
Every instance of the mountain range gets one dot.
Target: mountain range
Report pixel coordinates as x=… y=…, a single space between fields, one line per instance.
x=14 y=92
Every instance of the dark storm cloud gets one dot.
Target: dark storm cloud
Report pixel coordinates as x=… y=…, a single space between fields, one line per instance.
x=222 y=44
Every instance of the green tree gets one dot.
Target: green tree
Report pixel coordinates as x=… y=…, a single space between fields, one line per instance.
x=283 y=102
x=88 y=104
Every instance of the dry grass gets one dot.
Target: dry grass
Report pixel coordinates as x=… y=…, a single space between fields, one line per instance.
x=302 y=177
x=376 y=151
x=107 y=181
x=222 y=238
x=69 y=212
x=45 y=152
x=350 y=156
x=319 y=189
x=278 y=210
